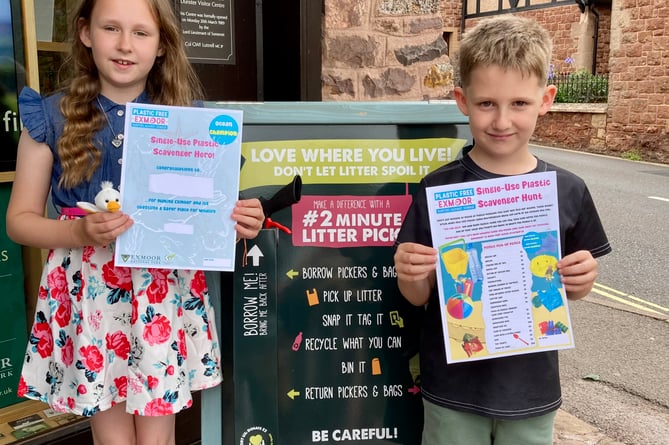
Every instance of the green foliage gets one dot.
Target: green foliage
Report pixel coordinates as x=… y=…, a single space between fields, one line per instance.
x=631 y=155
x=580 y=87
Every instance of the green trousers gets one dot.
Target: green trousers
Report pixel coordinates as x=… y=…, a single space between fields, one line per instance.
x=445 y=426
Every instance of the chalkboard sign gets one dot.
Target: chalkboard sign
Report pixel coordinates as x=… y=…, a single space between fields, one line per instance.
x=207 y=30
x=323 y=346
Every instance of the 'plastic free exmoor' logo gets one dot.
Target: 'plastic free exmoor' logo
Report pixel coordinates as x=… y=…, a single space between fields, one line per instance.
x=150 y=118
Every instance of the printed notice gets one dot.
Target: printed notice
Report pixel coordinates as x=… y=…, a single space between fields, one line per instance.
x=180 y=183
x=499 y=244
x=207 y=31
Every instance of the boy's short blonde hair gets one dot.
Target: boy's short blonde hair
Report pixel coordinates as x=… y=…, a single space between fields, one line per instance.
x=510 y=42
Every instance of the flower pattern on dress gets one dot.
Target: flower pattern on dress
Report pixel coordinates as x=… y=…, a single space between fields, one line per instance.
x=119 y=344
x=78 y=286
x=87 y=253
x=158 y=407
x=180 y=347
x=157 y=289
x=119 y=280
x=152 y=382
x=121 y=386
x=58 y=287
x=94 y=319
x=41 y=337
x=57 y=284
x=23 y=389
x=157 y=327
x=66 y=348
x=104 y=335
x=91 y=362
x=198 y=286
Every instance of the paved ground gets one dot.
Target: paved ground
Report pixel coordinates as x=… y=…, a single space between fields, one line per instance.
x=570 y=430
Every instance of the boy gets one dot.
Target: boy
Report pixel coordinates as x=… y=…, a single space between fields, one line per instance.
x=503 y=89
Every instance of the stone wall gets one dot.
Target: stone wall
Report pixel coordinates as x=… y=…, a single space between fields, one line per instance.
x=385 y=50
x=402 y=49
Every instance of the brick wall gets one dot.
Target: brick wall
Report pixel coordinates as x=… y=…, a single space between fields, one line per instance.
x=573 y=126
x=604 y=41
x=638 y=114
x=563 y=23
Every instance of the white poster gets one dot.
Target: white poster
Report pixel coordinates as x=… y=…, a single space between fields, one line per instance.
x=499 y=244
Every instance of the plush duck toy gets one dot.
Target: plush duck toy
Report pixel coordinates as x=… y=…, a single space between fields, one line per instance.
x=107 y=200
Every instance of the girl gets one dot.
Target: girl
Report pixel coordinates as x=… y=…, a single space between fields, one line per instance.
x=125 y=346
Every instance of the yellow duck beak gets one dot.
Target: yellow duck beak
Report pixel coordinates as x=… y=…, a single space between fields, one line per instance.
x=113 y=206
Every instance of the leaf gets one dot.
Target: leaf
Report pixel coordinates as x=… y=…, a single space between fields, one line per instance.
x=593 y=377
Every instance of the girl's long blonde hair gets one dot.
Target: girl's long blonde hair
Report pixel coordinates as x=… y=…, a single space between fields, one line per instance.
x=171 y=81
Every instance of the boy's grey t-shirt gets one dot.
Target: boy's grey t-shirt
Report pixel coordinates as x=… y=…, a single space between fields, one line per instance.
x=514 y=387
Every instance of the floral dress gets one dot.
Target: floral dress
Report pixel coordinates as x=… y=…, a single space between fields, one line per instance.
x=105 y=334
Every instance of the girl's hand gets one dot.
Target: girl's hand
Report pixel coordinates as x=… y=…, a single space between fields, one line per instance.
x=578 y=271
x=249 y=215
x=100 y=229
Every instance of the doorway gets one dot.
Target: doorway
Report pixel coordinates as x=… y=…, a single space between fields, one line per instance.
x=277 y=54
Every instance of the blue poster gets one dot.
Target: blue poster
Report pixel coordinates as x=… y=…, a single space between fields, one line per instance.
x=180 y=183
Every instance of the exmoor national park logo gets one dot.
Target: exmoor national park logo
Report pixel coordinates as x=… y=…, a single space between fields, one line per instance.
x=148 y=259
x=256 y=435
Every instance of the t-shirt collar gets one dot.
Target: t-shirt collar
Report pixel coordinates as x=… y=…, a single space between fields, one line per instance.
x=469 y=163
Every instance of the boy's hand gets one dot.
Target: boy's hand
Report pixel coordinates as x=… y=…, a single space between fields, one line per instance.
x=248 y=214
x=578 y=271
x=415 y=265
x=414 y=262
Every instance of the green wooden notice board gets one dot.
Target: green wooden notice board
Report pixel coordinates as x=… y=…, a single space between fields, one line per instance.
x=12 y=317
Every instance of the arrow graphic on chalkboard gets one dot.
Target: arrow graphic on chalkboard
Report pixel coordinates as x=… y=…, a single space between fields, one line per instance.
x=292 y=274
x=292 y=394
x=255 y=254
